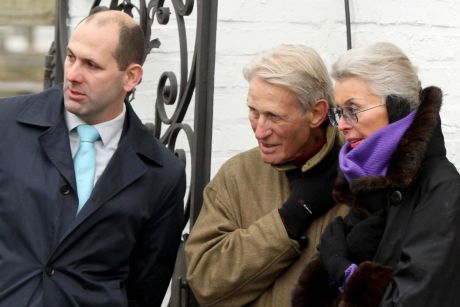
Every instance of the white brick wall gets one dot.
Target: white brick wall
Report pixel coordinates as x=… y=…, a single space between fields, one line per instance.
x=427 y=30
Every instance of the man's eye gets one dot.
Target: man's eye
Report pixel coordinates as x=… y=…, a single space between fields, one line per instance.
x=274 y=118
x=253 y=112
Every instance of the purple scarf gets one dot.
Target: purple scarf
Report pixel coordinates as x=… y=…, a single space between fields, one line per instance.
x=371 y=157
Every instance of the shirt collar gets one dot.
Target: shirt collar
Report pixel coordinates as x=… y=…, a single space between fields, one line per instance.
x=332 y=138
x=107 y=130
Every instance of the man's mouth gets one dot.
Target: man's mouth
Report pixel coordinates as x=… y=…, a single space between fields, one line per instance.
x=265 y=147
x=75 y=95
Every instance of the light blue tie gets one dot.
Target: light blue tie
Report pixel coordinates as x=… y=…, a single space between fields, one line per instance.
x=85 y=163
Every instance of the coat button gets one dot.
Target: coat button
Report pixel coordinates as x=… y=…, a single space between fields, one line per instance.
x=395 y=198
x=49 y=271
x=65 y=189
x=303 y=241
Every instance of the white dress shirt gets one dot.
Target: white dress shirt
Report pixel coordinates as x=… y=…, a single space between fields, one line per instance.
x=110 y=134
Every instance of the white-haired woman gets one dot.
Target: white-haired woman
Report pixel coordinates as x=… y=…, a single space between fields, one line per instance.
x=400 y=245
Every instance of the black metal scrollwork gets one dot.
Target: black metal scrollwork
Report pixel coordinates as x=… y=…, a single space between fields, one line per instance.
x=178 y=93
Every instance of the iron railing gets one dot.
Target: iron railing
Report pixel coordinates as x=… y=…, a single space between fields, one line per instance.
x=348 y=23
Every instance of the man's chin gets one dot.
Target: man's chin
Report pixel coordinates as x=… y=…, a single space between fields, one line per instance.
x=74 y=108
x=271 y=159
x=70 y=106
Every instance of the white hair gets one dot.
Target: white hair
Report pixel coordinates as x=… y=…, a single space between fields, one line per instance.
x=385 y=67
x=298 y=68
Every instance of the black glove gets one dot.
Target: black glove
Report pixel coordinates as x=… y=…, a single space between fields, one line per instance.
x=364 y=238
x=311 y=197
x=333 y=250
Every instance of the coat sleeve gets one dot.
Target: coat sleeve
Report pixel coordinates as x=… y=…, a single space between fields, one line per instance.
x=427 y=273
x=228 y=265
x=152 y=260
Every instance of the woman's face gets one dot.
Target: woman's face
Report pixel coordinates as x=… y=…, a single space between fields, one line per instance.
x=370 y=111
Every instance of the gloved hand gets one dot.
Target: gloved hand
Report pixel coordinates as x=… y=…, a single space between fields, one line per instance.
x=333 y=250
x=311 y=197
x=364 y=238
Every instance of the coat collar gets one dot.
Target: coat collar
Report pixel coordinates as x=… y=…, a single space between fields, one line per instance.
x=137 y=149
x=139 y=138
x=423 y=138
x=46 y=110
x=332 y=140
x=43 y=109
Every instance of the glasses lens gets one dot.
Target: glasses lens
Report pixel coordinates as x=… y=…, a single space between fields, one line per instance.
x=350 y=115
x=334 y=116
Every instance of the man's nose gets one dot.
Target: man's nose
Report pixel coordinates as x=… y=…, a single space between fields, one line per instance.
x=263 y=129
x=73 y=73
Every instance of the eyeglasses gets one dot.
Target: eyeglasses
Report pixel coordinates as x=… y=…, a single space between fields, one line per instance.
x=349 y=114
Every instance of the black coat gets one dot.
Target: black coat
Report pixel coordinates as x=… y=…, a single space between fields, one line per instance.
x=417 y=262
x=121 y=246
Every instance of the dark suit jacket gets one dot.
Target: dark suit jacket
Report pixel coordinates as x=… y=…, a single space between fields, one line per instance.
x=121 y=246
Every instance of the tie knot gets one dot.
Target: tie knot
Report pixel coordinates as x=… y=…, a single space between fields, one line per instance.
x=87 y=133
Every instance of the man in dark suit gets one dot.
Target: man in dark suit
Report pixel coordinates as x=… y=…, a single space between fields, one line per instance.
x=117 y=248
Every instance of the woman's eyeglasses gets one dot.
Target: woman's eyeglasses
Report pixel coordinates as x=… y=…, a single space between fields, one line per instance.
x=349 y=114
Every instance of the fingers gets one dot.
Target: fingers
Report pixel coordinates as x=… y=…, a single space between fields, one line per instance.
x=338 y=226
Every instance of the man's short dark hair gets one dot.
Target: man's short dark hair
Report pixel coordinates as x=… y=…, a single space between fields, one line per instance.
x=131 y=46
x=131 y=41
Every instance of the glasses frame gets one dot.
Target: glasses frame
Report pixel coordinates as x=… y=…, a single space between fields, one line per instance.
x=350 y=115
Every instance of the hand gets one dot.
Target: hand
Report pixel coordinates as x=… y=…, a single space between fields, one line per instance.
x=311 y=197
x=333 y=250
x=364 y=238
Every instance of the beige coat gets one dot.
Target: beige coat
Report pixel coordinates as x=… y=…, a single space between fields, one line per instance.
x=238 y=252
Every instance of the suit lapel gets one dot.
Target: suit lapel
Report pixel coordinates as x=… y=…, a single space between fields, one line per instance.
x=125 y=167
x=45 y=111
x=55 y=144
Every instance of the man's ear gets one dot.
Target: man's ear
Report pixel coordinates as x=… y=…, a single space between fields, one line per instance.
x=318 y=113
x=133 y=75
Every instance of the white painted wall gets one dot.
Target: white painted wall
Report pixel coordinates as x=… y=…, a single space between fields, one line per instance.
x=427 y=30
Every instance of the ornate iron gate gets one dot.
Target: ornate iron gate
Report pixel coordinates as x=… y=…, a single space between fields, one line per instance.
x=197 y=80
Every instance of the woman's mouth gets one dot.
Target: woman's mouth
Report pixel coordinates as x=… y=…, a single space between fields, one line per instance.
x=354 y=142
